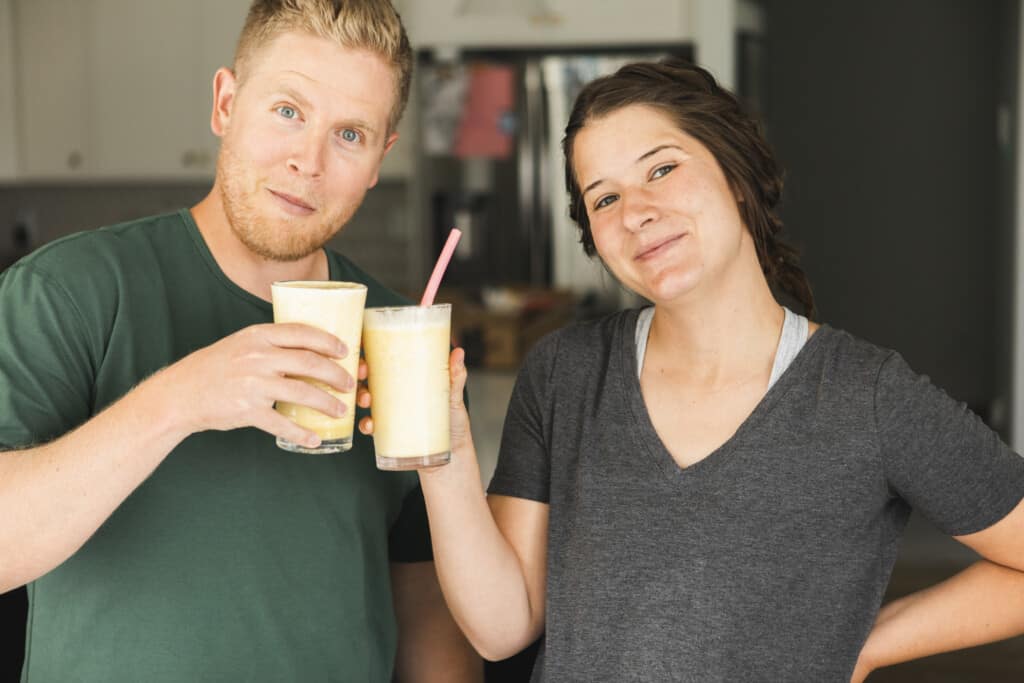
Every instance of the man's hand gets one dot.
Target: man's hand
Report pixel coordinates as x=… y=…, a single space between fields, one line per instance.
x=235 y=381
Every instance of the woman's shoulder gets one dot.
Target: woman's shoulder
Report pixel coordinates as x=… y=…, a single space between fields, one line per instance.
x=582 y=346
x=844 y=353
x=592 y=337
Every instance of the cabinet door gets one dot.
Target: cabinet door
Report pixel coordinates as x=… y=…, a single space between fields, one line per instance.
x=53 y=98
x=220 y=24
x=143 y=80
x=499 y=23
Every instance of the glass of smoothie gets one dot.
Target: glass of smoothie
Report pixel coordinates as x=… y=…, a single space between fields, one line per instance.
x=407 y=356
x=335 y=307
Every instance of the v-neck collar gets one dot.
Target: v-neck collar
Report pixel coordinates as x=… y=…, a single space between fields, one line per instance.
x=647 y=436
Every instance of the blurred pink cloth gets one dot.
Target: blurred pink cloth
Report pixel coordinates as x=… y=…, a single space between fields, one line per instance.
x=490 y=98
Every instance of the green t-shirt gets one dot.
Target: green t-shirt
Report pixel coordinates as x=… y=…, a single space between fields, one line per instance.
x=234 y=561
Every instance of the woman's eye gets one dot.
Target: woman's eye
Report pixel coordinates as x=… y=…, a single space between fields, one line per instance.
x=605 y=201
x=662 y=171
x=287 y=112
x=349 y=135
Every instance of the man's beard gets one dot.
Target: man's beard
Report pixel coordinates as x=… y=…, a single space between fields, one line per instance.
x=278 y=239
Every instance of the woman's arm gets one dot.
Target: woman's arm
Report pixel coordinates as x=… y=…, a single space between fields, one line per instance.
x=490 y=553
x=982 y=604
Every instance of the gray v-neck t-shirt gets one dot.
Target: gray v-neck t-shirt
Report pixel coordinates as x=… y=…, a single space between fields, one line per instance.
x=767 y=560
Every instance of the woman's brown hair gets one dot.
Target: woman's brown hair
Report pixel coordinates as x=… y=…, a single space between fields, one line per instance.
x=692 y=98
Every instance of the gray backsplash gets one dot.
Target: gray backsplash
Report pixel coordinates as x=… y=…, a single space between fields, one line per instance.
x=377 y=238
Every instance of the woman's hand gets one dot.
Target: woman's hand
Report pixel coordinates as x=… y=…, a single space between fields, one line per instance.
x=461 y=436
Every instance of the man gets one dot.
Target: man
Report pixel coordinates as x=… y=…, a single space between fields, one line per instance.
x=165 y=537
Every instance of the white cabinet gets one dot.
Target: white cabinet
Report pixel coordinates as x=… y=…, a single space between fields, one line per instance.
x=218 y=25
x=52 y=94
x=142 y=87
x=120 y=89
x=116 y=89
x=500 y=23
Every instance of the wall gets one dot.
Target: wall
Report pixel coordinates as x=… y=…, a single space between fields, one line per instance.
x=884 y=115
x=1008 y=73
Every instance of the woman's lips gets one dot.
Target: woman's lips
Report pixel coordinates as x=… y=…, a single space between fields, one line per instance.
x=656 y=249
x=292 y=203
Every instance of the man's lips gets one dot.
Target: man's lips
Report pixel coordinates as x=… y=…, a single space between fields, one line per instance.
x=293 y=200
x=655 y=248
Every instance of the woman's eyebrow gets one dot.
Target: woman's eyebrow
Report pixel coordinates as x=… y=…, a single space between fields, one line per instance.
x=643 y=156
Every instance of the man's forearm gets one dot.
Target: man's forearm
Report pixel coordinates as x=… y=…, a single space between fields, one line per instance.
x=54 y=497
x=982 y=604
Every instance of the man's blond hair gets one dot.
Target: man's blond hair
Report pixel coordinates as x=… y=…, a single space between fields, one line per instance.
x=371 y=25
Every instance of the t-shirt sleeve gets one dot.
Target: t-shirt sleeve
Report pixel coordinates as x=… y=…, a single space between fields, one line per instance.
x=939 y=456
x=409 y=538
x=47 y=364
x=524 y=458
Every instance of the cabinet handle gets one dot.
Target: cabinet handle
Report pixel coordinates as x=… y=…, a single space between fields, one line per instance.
x=74 y=160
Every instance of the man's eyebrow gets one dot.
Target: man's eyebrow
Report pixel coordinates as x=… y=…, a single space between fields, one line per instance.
x=291 y=92
x=359 y=123
x=643 y=156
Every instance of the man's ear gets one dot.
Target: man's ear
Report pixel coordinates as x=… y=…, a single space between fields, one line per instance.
x=388 y=144
x=225 y=84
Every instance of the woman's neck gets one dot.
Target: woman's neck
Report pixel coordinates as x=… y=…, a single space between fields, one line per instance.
x=713 y=341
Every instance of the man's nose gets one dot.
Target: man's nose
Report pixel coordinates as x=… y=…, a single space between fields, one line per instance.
x=307 y=157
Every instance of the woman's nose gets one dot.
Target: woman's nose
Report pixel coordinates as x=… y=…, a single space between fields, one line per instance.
x=637 y=210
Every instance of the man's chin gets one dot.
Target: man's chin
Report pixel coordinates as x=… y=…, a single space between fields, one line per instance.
x=282 y=253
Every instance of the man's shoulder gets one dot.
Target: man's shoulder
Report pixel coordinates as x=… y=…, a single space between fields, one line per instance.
x=94 y=253
x=377 y=294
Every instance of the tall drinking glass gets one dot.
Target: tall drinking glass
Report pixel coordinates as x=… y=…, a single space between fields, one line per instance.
x=407 y=356
x=335 y=307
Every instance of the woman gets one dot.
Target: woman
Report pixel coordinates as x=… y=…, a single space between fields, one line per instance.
x=713 y=488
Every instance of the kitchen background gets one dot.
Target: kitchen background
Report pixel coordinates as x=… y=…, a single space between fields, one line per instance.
x=897 y=122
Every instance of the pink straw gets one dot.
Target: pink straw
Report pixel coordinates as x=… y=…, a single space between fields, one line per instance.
x=440 y=267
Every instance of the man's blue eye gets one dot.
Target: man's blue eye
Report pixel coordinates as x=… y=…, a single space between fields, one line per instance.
x=287 y=112
x=349 y=135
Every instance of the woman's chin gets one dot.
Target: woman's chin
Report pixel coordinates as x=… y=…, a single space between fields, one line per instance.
x=671 y=287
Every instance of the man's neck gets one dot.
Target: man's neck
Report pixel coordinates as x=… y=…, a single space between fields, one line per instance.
x=249 y=270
